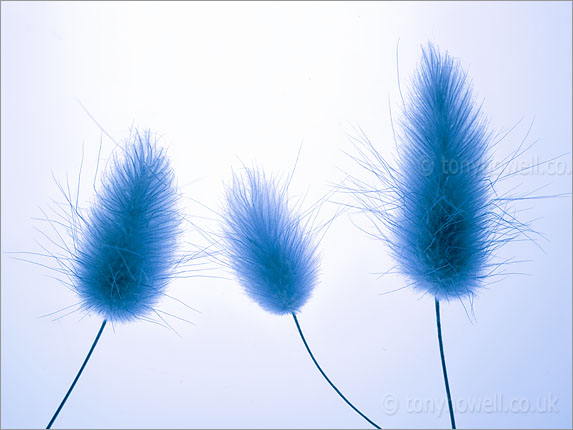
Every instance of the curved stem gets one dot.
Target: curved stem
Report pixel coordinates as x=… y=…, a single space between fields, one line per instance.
x=78 y=375
x=452 y=419
x=326 y=377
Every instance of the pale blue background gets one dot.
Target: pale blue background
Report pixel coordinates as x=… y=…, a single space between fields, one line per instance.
x=224 y=83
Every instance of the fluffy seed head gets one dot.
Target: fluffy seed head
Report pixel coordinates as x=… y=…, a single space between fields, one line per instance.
x=269 y=247
x=441 y=219
x=125 y=251
x=442 y=230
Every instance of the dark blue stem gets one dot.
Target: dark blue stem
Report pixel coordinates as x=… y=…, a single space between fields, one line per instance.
x=452 y=419
x=326 y=377
x=78 y=375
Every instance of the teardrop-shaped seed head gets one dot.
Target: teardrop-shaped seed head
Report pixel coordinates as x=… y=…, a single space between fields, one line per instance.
x=270 y=248
x=126 y=249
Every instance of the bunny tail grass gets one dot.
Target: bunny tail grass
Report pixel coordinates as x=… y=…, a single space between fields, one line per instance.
x=270 y=248
x=444 y=370
x=437 y=207
x=78 y=375
x=127 y=248
x=444 y=230
x=327 y=378
x=124 y=247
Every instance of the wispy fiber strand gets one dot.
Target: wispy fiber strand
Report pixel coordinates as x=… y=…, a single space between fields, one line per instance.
x=124 y=248
x=272 y=250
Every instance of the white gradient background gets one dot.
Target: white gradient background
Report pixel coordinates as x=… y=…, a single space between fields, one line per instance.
x=230 y=83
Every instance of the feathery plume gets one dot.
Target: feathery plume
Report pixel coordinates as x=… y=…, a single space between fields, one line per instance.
x=124 y=248
x=437 y=209
x=272 y=250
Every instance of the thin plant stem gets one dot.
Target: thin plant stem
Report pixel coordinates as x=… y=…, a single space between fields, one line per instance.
x=443 y=357
x=326 y=377
x=78 y=375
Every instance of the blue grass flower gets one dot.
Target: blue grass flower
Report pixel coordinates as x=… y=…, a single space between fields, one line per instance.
x=126 y=249
x=438 y=209
x=443 y=229
x=269 y=247
x=272 y=251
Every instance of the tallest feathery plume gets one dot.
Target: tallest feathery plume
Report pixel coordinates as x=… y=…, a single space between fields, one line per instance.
x=437 y=208
x=443 y=228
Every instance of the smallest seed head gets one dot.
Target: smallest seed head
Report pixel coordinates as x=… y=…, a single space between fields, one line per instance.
x=269 y=247
x=125 y=249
